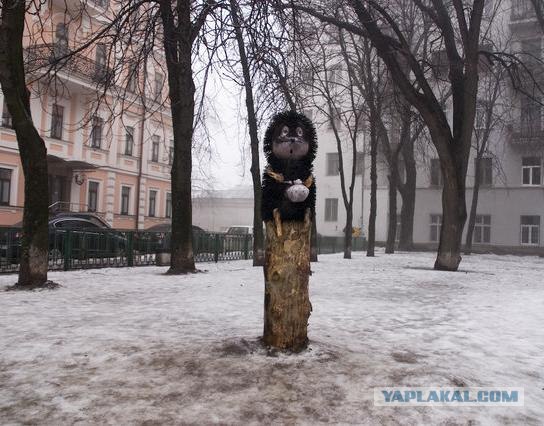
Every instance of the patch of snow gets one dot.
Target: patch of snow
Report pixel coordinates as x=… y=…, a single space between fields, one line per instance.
x=134 y=346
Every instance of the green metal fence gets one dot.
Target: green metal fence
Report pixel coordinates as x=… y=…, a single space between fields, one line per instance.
x=84 y=248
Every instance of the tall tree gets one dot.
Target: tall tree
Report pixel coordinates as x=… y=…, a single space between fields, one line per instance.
x=258 y=237
x=334 y=95
x=34 y=254
x=457 y=27
x=490 y=120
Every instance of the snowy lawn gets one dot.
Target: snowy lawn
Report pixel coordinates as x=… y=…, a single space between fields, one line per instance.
x=133 y=346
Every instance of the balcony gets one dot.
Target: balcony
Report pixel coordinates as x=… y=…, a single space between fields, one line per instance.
x=526 y=136
x=49 y=58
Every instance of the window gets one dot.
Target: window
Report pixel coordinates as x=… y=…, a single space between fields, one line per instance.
x=5 y=186
x=152 y=203
x=57 y=121
x=101 y=3
x=168 y=210
x=155 y=149
x=132 y=79
x=93 y=197
x=486 y=171
x=334 y=74
x=307 y=77
x=530 y=170
x=436 y=224
x=482 y=229
x=129 y=140
x=530 y=118
x=436 y=172
x=440 y=63
x=331 y=209
x=480 y=117
x=7 y=121
x=159 y=83
x=96 y=132
x=333 y=164
x=125 y=199
x=522 y=9
x=360 y=162
x=61 y=39
x=171 y=153
x=530 y=230
x=100 y=61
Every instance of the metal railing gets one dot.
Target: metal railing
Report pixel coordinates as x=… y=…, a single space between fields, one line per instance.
x=56 y=57
x=85 y=248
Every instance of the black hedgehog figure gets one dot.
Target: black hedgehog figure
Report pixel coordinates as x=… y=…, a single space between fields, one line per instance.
x=290 y=146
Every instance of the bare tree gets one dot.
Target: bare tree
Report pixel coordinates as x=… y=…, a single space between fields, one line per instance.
x=457 y=27
x=34 y=253
x=490 y=120
x=333 y=94
x=258 y=237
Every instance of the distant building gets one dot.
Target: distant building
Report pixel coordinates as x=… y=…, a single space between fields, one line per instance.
x=219 y=209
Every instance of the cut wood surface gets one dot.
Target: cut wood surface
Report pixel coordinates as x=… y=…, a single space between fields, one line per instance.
x=287 y=269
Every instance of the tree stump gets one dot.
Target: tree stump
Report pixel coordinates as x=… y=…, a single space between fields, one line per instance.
x=287 y=304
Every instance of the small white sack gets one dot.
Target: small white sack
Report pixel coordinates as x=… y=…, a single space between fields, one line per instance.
x=297 y=192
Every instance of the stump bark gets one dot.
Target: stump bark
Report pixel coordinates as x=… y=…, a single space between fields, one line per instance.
x=286 y=272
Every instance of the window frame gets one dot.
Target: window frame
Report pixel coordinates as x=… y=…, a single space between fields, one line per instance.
x=129 y=141
x=168 y=205
x=435 y=226
x=331 y=209
x=486 y=171
x=152 y=199
x=96 y=192
x=481 y=228
x=329 y=158
x=125 y=200
x=531 y=169
x=57 y=121
x=5 y=181
x=529 y=228
x=155 y=148
x=96 y=137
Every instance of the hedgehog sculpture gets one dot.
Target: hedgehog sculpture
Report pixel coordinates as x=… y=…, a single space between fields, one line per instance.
x=290 y=146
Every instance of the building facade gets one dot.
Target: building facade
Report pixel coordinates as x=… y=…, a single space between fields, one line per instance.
x=510 y=213
x=104 y=156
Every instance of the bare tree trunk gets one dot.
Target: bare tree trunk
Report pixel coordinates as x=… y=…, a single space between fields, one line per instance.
x=453 y=220
x=392 y=215
x=408 y=195
x=287 y=304
x=178 y=48
x=373 y=189
x=258 y=238
x=348 y=231
x=473 y=208
x=33 y=153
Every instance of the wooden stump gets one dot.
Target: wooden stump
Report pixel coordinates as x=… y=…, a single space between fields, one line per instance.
x=286 y=273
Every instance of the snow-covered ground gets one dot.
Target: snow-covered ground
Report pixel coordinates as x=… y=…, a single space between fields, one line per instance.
x=133 y=346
